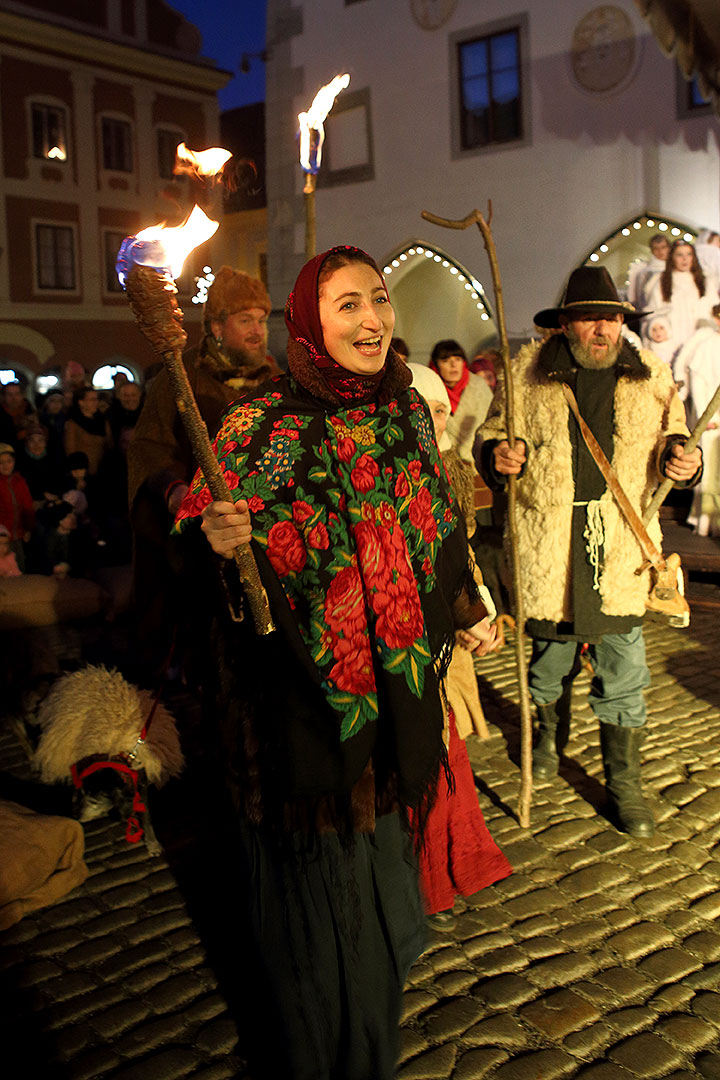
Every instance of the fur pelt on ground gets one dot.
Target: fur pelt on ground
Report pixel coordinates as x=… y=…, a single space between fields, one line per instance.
x=95 y=711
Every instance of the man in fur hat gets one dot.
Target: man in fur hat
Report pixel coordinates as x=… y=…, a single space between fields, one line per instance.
x=231 y=359
x=579 y=557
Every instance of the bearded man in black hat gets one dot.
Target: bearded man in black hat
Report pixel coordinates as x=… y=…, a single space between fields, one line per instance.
x=230 y=360
x=579 y=557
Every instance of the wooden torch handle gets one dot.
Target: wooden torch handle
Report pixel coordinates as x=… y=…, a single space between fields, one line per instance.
x=210 y=467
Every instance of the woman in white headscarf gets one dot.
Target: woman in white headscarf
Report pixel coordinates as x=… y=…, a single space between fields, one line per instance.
x=458 y=856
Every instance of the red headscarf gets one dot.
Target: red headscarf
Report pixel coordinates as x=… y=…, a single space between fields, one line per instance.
x=302 y=317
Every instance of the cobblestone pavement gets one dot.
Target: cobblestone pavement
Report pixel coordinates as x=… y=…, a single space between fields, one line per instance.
x=598 y=958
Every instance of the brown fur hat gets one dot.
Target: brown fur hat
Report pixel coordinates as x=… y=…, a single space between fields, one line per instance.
x=232 y=291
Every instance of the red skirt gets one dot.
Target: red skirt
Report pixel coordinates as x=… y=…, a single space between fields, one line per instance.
x=458 y=856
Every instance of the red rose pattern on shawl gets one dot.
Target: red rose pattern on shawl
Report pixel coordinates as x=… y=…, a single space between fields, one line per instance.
x=343 y=534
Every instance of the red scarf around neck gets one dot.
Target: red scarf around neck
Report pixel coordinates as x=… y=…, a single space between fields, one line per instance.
x=454 y=392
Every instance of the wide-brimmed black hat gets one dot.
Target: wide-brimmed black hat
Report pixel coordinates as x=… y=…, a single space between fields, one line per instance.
x=590 y=291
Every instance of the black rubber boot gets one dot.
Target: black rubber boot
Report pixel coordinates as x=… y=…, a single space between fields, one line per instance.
x=545 y=759
x=621 y=762
x=553 y=729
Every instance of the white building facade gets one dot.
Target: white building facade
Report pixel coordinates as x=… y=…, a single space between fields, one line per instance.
x=567 y=116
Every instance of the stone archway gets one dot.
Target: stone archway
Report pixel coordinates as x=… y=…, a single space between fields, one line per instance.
x=17 y=341
x=629 y=243
x=436 y=297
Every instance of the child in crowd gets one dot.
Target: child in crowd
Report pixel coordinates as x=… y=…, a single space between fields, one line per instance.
x=16 y=506
x=487 y=364
x=59 y=547
x=8 y=562
x=657 y=336
x=42 y=471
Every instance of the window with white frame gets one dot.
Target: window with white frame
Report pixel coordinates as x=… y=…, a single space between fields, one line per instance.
x=117 y=150
x=491 y=102
x=55 y=256
x=49 y=131
x=112 y=242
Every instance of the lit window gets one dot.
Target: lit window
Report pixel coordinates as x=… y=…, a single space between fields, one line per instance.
x=490 y=89
x=48 y=132
x=103 y=379
x=55 y=253
x=45 y=383
x=117 y=145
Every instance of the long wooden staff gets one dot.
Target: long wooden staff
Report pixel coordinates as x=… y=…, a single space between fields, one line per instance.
x=476 y=218
x=697 y=433
x=152 y=298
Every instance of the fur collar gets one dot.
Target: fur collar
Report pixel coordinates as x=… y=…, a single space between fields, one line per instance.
x=556 y=363
x=396 y=379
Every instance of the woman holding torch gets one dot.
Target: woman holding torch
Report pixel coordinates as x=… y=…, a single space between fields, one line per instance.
x=332 y=727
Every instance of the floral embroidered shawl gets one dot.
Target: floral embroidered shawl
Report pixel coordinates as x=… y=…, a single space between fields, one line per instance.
x=353 y=510
x=353 y=516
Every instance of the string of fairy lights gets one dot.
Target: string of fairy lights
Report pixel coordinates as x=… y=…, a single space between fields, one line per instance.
x=639 y=229
x=465 y=281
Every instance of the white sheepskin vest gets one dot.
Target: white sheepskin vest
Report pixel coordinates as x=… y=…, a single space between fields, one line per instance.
x=646 y=412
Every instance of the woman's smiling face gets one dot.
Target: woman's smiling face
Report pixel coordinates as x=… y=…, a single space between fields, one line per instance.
x=357 y=318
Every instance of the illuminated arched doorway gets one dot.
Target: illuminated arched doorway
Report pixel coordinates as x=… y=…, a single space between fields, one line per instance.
x=436 y=297
x=630 y=243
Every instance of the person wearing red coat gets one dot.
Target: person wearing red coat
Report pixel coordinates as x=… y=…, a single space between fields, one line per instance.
x=16 y=506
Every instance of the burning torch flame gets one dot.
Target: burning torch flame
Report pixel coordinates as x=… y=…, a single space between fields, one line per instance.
x=201 y=162
x=166 y=249
x=313 y=120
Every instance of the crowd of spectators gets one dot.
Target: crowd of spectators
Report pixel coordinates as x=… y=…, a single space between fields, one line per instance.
x=63 y=475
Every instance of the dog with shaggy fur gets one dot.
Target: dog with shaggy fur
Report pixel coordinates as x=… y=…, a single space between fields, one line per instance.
x=91 y=722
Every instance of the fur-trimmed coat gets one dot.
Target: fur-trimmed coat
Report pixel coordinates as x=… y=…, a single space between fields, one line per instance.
x=647 y=416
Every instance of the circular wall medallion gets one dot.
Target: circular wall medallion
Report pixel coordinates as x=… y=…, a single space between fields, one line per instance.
x=604 y=48
x=429 y=14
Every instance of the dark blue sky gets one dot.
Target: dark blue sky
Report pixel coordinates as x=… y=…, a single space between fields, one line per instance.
x=229 y=29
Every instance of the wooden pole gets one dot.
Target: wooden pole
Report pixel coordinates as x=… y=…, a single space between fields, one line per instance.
x=476 y=218
x=661 y=493
x=160 y=319
x=310 y=220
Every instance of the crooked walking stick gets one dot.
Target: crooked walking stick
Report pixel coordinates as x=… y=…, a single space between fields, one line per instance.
x=476 y=218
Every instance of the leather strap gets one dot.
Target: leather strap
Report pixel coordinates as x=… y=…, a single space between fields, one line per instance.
x=628 y=511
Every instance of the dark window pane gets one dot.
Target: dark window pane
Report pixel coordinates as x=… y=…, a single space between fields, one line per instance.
x=117 y=145
x=695 y=98
x=505 y=86
x=55 y=257
x=490 y=90
x=474 y=59
x=477 y=94
x=504 y=51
